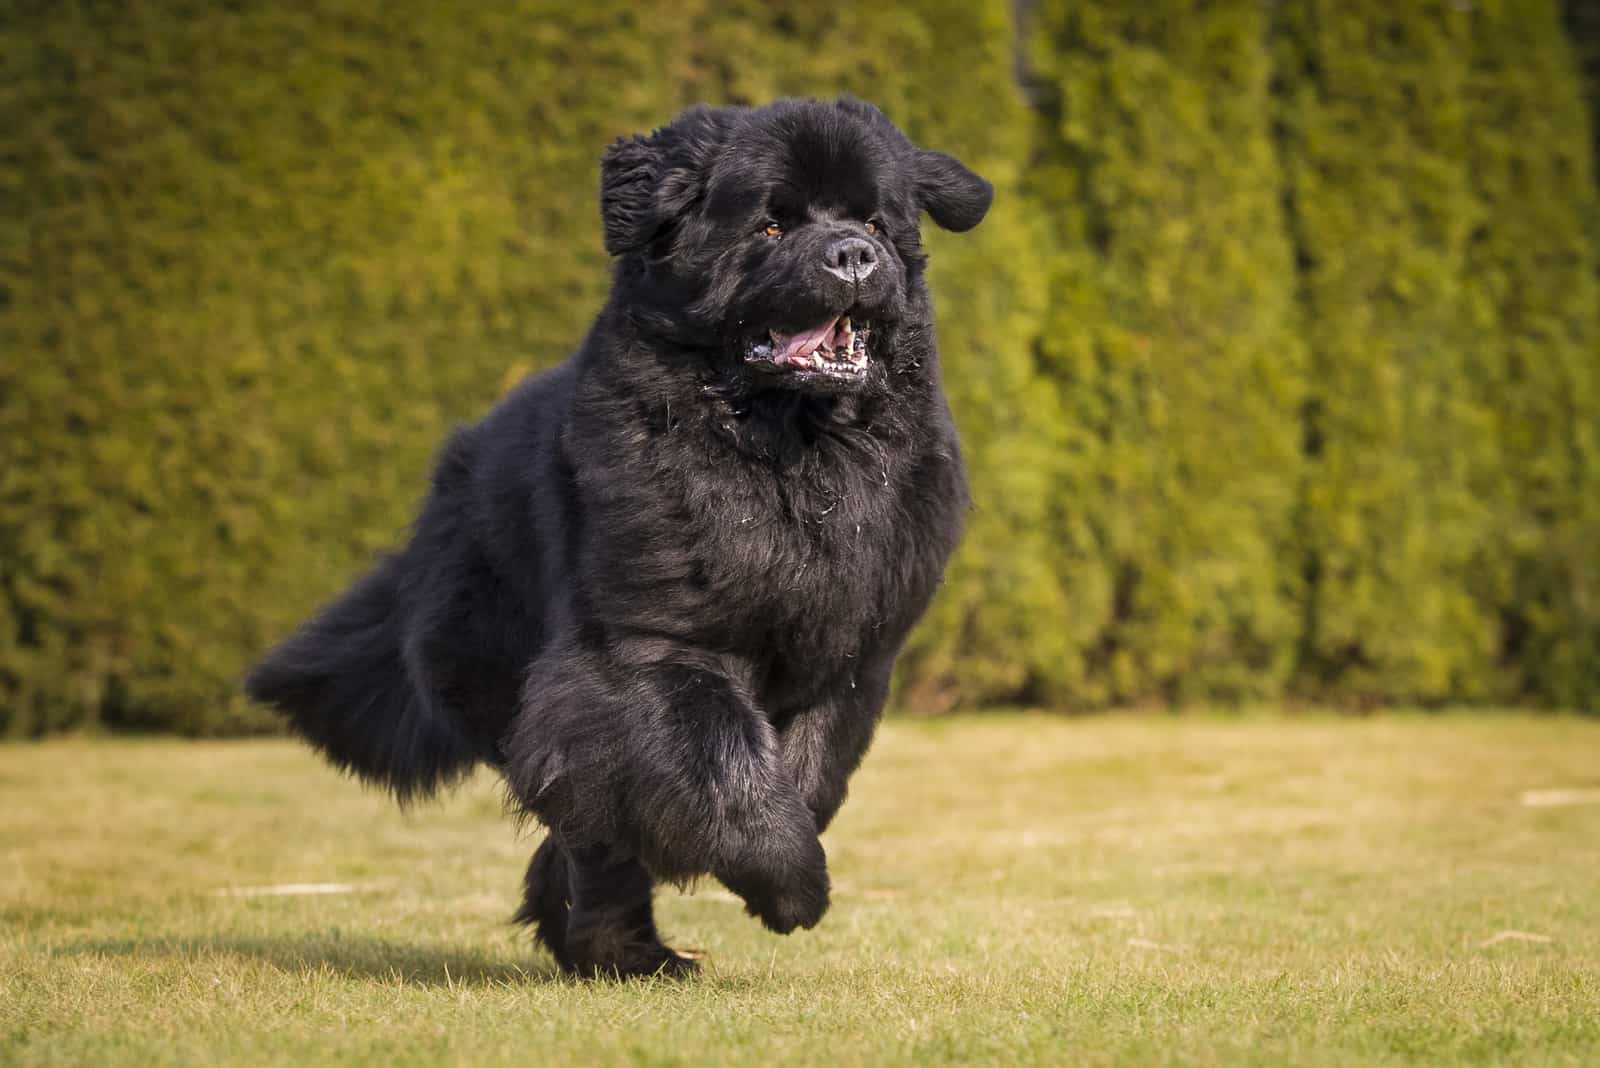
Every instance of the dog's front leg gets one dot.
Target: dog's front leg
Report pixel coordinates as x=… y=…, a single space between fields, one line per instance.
x=677 y=763
x=822 y=745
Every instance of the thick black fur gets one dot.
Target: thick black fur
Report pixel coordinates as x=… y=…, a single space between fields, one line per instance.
x=660 y=593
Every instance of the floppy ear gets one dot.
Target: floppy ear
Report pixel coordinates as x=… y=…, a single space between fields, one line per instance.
x=952 y=195
x=630 y=173
x=647 y=182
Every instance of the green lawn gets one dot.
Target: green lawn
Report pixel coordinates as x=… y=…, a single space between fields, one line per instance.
x=1009 y=890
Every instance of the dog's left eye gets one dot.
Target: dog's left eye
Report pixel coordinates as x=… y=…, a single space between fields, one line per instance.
x=872 y=226
x=773 y=229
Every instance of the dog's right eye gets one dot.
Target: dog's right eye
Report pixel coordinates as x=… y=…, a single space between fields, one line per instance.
x=773 y=229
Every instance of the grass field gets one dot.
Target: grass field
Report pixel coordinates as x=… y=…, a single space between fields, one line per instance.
x=1009 y=890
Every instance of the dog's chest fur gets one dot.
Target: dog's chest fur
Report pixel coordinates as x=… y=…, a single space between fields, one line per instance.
x=804 y=546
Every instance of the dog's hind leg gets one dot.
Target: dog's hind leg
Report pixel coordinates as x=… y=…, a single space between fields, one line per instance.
x=547 y=899
x=591 y=908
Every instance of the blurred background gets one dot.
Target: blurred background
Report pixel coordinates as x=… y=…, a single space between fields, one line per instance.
x=1277 y=363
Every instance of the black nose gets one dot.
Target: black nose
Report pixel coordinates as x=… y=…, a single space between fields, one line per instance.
x=851 y=258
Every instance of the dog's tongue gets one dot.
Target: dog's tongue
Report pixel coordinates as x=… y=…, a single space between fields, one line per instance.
x=805 y=342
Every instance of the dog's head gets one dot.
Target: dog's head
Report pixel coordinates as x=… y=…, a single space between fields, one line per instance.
x=783 y=240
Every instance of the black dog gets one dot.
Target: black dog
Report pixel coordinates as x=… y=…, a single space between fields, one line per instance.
x=661 y=587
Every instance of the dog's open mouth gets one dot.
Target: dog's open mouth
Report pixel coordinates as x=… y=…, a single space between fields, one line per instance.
x=836 y=348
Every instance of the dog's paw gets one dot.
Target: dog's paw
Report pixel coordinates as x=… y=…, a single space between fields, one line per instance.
x=792 y=907
x=797 y=899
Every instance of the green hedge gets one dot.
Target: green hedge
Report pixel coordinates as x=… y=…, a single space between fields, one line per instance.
x=266 y=257
x=1533 y=314
x=1171 y=347
x=1441 y=195
x=1374 y=131
x=1276 y=362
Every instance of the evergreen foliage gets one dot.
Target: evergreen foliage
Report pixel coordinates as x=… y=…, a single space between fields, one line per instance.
x=259 y=258
x=1171 y=347
x=1277 y=362
x=1533 y=313
x=1374 y=133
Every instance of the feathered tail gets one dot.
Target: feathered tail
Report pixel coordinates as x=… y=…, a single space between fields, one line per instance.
x=343 y=683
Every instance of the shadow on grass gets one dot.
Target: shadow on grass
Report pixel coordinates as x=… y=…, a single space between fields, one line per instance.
x=355 y=958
